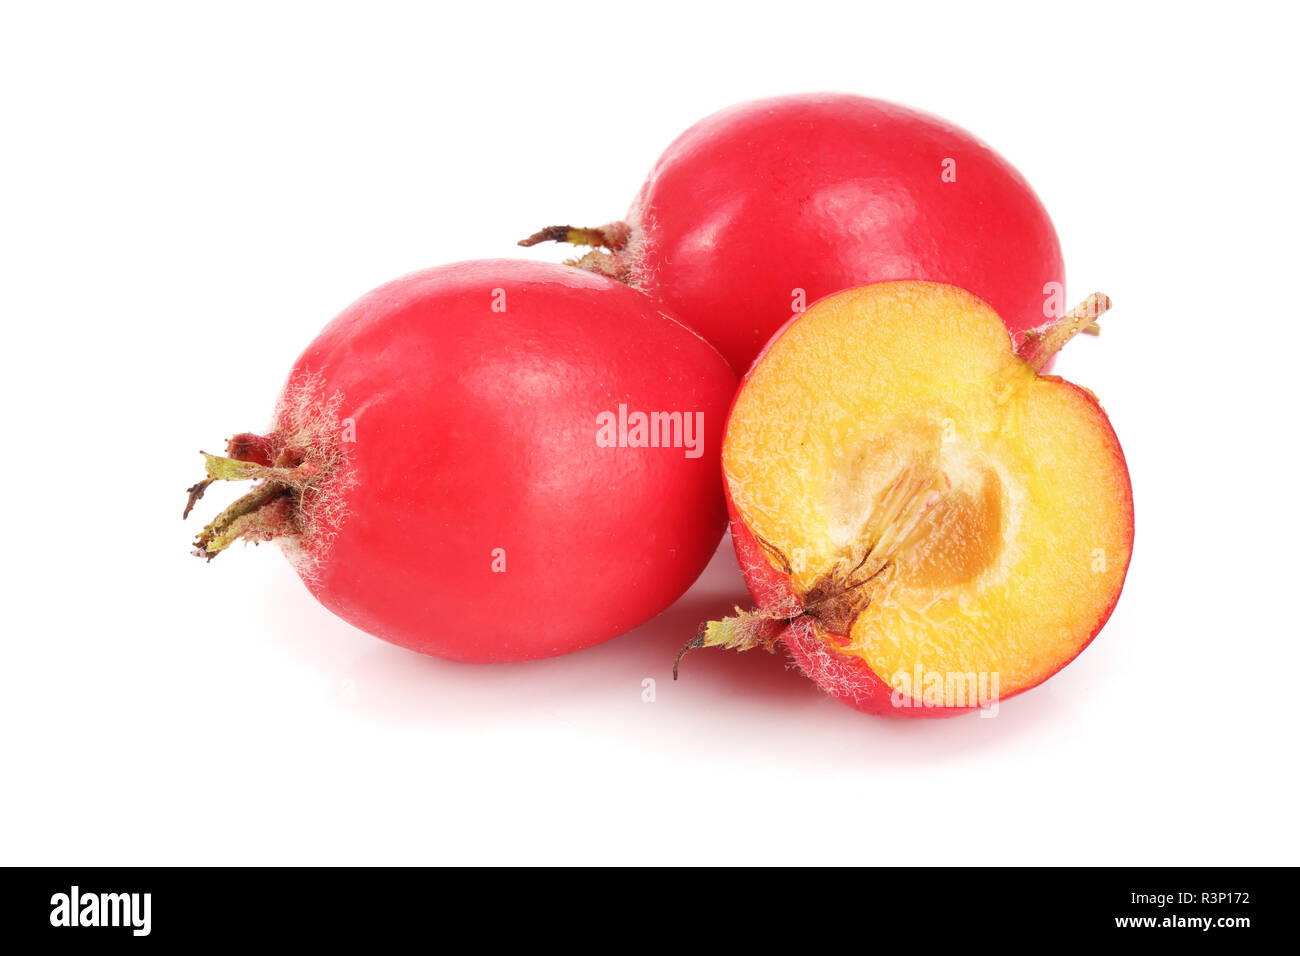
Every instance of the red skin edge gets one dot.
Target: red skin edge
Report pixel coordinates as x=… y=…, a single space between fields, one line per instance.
x=845 y=677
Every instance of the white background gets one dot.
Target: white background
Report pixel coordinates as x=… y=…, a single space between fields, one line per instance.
x=190 y=192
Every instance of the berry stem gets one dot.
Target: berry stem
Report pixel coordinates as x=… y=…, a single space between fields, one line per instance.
x=1042 y=343
x=742 y=631
x=245 y=518
x=613 y=236
x=266 y=512
x=609 y=256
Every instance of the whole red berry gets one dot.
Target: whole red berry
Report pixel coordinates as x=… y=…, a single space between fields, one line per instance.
x=759 y=210
x=491 y=461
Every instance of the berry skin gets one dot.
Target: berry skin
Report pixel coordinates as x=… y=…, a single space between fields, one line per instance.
x=765 y=207
x=456 y=466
